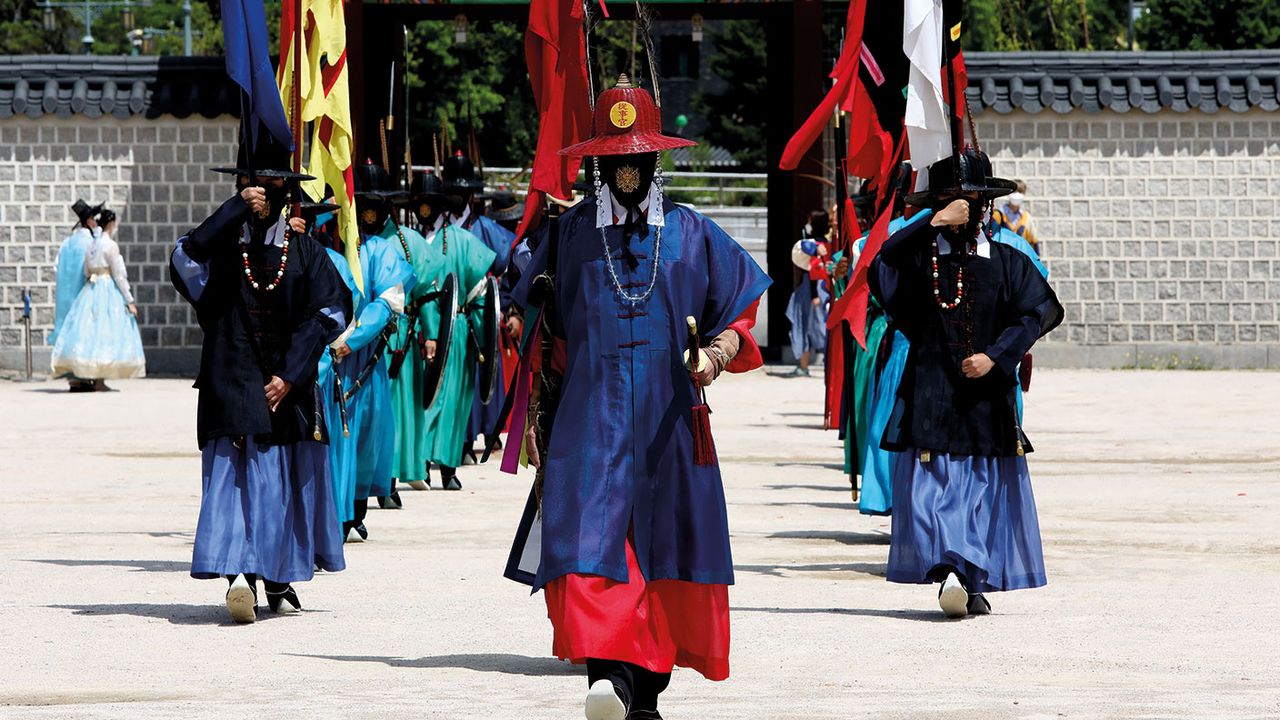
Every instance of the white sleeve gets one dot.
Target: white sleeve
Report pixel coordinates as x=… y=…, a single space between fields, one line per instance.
x=116 y=263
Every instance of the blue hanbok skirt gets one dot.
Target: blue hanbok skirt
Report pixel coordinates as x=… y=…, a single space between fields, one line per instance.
x=808 y=323
x=485 y=417
x=370 y=410
x=342 y=446
x=975 y=514
x=99 y=338
x=266 y=510
x=877 y=468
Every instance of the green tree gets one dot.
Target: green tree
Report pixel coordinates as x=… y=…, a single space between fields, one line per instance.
x=737 y=115
x=479 y=84
x=1209 y=25
x=161 y=23
x=22 y=29
x=1022 y=25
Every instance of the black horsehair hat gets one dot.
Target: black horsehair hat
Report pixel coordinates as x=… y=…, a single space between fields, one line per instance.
x=84 y=210
x=270 y=159
x=375 y=183
x=426 y=185
x=503 y=206
x=460 y=174
x=974 y=176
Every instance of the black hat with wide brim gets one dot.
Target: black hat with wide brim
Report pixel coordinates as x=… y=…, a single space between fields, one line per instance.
x=974 y=176
x=460 y=175
x=269 y=159
x=503 y=207
x=375 y=183
x=84 y=210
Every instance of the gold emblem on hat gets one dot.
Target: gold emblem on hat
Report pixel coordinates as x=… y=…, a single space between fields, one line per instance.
x=369 y=217
x=622 y=114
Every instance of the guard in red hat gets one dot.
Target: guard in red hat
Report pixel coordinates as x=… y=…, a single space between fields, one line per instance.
x=654 y=301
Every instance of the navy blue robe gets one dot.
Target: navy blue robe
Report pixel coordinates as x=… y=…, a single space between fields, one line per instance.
x=620 y=458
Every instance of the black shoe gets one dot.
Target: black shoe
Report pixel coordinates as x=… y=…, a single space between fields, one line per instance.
x=283 y=602
x=355 y=532
x=450 y=482
x=391 y=502
x=80 y=386
x=644 y=715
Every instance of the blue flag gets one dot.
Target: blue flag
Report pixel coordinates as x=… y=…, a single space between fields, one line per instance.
x=244 y=32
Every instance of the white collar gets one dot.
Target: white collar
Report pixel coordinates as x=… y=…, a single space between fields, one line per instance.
x=610 y=212
x=984 y=246
x=462 y=220
x=275 y=236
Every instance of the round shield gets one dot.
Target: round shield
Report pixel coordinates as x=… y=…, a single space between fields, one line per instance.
x=447 y=301
x=490 y=323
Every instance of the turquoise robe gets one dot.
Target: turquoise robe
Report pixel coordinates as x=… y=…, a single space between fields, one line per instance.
x=70 y=276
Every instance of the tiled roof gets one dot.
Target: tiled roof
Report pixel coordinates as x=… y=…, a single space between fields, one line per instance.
x=96 y=85
x=1124 y=81
x=92 y=85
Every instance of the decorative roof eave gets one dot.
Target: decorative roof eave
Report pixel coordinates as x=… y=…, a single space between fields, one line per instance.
x=93 y=86
x=1064 y=82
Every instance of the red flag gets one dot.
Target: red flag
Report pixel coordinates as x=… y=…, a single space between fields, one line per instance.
x=845 y=74
x=555 y=51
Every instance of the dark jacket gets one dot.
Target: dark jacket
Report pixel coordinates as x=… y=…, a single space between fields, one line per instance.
x=251 y=335
x=1008 y=305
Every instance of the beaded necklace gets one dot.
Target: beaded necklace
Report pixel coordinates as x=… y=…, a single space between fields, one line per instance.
x=937 y=290
x=284 y=261
x=403 y=243
x=608 y=250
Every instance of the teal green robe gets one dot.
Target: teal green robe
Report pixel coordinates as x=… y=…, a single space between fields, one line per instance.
x=411 y=463
x=445 y=428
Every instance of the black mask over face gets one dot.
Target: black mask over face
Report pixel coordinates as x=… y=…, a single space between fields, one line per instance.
x=373 y=216
x=456 y=204
x=628 y=176
x=427 y=211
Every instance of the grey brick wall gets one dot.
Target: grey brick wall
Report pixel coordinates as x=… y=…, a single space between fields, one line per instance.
x=153 y=173
x=1162 y=232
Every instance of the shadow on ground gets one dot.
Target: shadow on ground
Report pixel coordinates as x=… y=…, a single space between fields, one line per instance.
x=175 y=613
x=932 y=616
x=836 y=488
x=136 y=565
x=877 y=569
x=505 y=663
x=840 y=536
x=847 y=506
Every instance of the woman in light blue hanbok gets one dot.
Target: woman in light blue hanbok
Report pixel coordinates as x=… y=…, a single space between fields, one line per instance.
x=99 y=337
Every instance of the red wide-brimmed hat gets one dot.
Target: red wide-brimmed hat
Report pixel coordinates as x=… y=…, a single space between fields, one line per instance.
x=626 y=121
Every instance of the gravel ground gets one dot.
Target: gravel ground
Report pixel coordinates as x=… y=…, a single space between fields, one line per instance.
x=1159 y=495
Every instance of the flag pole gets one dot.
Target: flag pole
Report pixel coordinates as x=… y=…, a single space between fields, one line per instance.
x=297 y=100
x=957 y=134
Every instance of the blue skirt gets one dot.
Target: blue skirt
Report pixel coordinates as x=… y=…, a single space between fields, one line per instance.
x=484 y=417
x=975 y=514
x=370 y=411
x=877 y=467
x=266 y=510
x=342 y=446
x=99 y=338
x=808 y=323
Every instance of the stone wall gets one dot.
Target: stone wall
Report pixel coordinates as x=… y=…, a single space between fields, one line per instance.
x=153 y=173
x=1162 y=232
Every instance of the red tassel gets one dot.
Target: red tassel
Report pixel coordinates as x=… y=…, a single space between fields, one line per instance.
x=704 y=446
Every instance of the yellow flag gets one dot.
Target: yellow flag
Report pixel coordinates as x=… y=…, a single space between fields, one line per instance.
x=325 y=100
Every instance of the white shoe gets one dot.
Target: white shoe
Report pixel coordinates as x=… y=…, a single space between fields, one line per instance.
x=419 y=484
x=603 y=702
x=979 y=605
x=242 y=603
x=953 y=598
